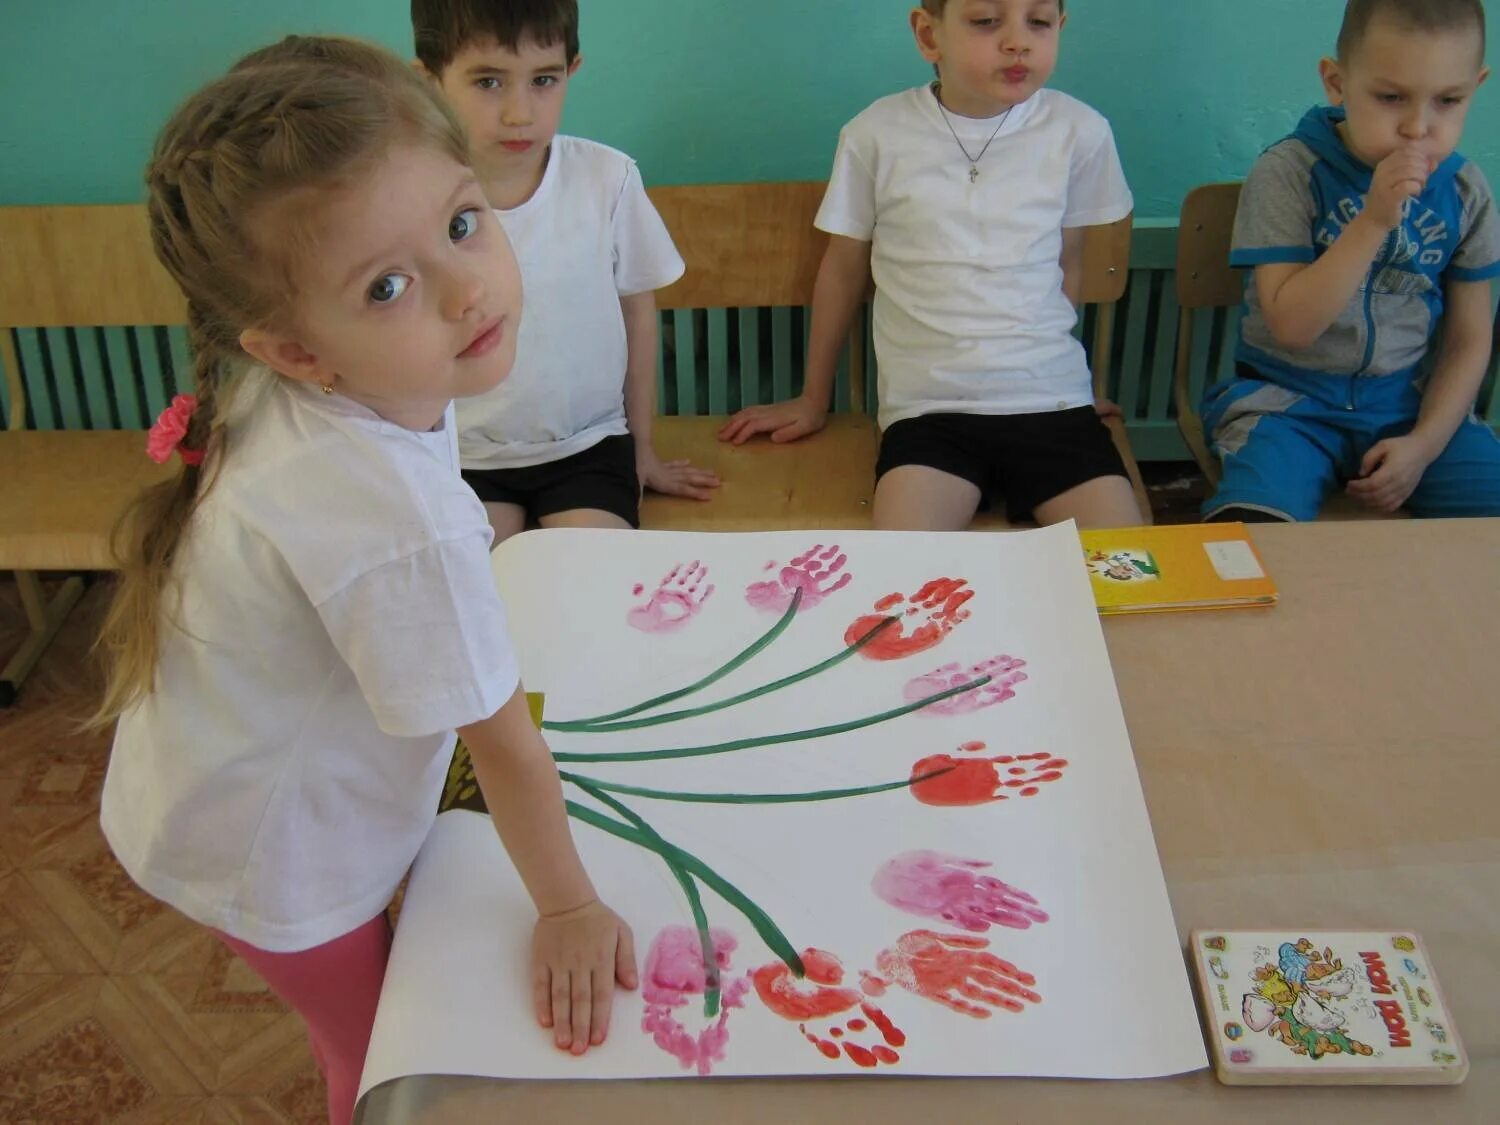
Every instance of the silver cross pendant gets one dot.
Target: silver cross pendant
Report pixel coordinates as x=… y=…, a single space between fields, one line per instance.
x=973 y=173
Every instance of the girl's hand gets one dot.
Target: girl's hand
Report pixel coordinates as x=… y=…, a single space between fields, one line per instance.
x=576 y=959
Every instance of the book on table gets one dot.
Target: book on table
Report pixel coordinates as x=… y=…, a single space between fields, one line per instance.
x=1181 y=567
x=1317 y=1007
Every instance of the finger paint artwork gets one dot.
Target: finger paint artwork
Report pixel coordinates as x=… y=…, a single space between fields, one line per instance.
x=934 y=611
x=814 y=574
x=1001 y=674
x=955 y=891
x=676 y=600
x=945 y=780
x=674 y=974
x=878 y=815
x=957 y=972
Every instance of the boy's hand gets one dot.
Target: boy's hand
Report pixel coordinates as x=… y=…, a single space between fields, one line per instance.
x=1107 y=409
x=1390 y=472
x=1397 y=178
x=674 y=478
x=576 y=959
x=784 y=421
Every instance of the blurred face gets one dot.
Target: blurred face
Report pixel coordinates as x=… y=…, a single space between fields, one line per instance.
x=411 y=297
x=990 y=54
x=1406 y=88
x=510 y=101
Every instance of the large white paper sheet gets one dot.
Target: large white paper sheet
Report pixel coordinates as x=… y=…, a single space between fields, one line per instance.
x=1005 y=915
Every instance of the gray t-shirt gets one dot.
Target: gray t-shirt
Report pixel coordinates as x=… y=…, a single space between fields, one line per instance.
x=1297 y=200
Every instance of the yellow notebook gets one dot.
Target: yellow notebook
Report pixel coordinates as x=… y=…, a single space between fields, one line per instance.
x=1188 y=566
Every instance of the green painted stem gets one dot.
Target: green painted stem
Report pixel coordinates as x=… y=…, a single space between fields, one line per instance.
x=689 y=888
x=713 y=677
x=586 y=727
x=769 y=932
x=771 y=739
x=589 y=784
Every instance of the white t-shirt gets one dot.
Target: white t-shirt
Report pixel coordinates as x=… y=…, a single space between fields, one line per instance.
x=339 y=620
x=588 y=236
x=970 y=315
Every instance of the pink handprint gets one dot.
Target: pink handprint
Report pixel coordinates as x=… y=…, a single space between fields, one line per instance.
x=812 y=572
x=824 y=997
x=941 y=601
x=674 y=973
x=1004 y=672
x=951 y=889
x=676 y=601
x=954 y=971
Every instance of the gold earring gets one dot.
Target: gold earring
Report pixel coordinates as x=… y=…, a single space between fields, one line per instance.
x=328 y=388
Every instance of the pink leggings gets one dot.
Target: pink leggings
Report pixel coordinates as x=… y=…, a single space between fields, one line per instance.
x=335 y=988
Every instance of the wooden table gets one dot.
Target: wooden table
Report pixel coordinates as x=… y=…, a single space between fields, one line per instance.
x=823 y=482
x=1332 y=763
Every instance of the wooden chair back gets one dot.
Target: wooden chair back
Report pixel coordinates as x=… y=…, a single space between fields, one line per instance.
x=1205 y=280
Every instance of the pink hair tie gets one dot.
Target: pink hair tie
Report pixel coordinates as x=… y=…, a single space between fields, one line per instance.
x=171 y=427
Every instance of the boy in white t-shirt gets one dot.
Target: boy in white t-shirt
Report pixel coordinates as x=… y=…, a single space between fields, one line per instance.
x=566 y=441
x=967 y=200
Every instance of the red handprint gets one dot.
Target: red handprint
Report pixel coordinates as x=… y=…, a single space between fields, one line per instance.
x=812 y=572
x=859 y=1054
x=954 y=971
x=978 y=781
x=941 y=600
x=952 y=889
x=780 y=992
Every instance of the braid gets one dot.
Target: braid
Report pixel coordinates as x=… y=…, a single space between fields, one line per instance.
x=210 y=354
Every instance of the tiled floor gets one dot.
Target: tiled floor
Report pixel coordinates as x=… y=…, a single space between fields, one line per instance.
x=112 y=1006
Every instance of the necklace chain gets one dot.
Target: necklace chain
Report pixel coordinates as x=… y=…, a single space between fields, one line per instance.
x=937 y=89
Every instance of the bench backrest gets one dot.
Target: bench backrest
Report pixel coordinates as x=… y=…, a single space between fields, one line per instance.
x=746 y=246
x=754 y=245
x=1205 y=280
x=85 y=265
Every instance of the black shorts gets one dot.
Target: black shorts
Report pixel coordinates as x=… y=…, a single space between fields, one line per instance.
x=602 y=477
x=1026 y=458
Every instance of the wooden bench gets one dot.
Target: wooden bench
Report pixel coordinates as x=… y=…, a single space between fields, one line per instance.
x=755 y=246
x=746 y=246
x=64 y=491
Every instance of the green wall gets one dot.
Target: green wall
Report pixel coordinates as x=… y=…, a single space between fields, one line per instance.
x=699 y=91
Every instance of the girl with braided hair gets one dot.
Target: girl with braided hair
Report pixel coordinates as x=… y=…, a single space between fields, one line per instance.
x=306 y=613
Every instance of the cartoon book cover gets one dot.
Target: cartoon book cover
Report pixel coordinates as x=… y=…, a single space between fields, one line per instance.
x=1325 y=1008
x=1188 y=566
